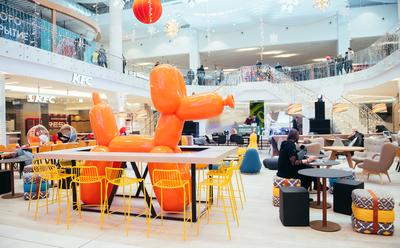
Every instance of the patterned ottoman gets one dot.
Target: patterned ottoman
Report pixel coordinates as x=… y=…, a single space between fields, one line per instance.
x=373 y=212
x=282 y=182
x=27 y=178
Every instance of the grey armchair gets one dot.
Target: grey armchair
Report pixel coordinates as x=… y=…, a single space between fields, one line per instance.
x=372 y=146
x=313 y=149
x=386 y=158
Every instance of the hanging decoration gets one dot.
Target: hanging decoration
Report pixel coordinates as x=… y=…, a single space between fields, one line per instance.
x=172 y=28
x=321 y=4
x=147 y=11
x=295 y=109
x=379 y=108
x=289 y=5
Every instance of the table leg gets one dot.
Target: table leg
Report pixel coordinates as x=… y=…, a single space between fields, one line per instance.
x=324 y=225
x=211 y=189
x=349 y=160
x=193 y=192
x=333 y=155
x=141 y=187
x=74 y=196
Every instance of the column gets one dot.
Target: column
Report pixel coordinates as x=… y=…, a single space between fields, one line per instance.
x=194 y=55
x=398 y=11
x=2 y=110
x=115 y=46
x=343 y=33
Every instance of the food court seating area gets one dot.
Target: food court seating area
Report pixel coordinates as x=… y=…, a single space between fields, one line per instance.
x=238 y=204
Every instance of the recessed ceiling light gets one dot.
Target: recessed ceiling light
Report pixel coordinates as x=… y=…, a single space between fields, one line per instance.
x=47 y=87
x=247 y=49
x=144 y=63
x=287 y=55
x=319 y=60
x=273 y=52
x=11 y=83
x=206 y=68
x=230 y=70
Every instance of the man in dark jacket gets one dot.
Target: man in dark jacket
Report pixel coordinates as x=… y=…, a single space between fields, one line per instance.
x=360 y=138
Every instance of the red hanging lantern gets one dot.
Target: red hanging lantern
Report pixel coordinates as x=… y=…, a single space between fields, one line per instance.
x=147 y=11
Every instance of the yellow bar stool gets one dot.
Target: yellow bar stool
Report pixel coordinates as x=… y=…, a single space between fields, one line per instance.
x=117 y=176
x=171 y=179
x=239 y=181
x=85 y=175
x=47 y=172
x=223 y=181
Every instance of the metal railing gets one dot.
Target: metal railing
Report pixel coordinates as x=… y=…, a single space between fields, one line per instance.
x=33 y=31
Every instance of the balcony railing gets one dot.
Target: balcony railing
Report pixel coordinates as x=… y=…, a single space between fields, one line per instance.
x=34 y=31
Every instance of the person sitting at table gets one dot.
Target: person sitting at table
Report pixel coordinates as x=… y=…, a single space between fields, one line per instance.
x=289 y=164
x=355 y=134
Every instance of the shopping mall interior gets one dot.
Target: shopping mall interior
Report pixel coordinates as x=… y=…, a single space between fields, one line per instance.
x=219 y=123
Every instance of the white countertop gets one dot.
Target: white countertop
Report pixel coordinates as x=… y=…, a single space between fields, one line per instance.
x=213 y=154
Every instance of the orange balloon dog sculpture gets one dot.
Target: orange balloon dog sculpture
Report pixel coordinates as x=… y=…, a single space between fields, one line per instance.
x=168 y=93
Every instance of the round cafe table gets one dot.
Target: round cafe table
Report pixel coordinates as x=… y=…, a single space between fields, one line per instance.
x=324 y=225
x=318 y=164
x=347 y=150
x=11 y=162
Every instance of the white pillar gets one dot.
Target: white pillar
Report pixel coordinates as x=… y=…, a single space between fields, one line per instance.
x=398 y=11
x=2 y=110
x=194 y=55
x=343 y=33
x=115 y=45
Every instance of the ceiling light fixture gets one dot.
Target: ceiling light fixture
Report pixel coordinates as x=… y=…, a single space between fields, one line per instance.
x=379 y=108
x=247 y=49
x=11 y=83
x=273 y=52
x=322 y=4
x=144 y=63
x=287 y=55
x=319 y=60
x=289 y=5
x=172 y=28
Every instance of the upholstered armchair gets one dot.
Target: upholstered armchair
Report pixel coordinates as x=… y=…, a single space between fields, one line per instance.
x=381 y=166
x=373 y=148
x=313 y=149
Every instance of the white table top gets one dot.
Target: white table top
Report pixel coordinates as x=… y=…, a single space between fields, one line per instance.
x=212 y=154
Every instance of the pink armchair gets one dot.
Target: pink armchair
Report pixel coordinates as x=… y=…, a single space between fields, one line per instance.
x=386 y=158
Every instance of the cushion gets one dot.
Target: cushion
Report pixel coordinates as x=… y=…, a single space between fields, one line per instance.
x=360 y=226
x=363 y=199
x=251 y=162
x=279 y=182
x=271 y=163
x=367 y=215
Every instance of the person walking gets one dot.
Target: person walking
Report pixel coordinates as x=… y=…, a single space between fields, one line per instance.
x=339 y=64
x=350 y=57
x=201 y=73
x=190 y=76
x=80 y=47
x=95 y=57
x=123 y=63
x=102 y=57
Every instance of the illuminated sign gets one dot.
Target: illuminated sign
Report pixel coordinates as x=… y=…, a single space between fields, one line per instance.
x=41 y=99
x=81 y=80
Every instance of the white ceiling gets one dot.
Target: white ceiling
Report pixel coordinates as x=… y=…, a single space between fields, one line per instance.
x=226 y=15
x=228 y=59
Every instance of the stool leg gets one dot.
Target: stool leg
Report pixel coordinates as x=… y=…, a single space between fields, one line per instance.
x=239 y=191
x=241 y=183
x=184 y=213
x=198 y=208
x=226 y=218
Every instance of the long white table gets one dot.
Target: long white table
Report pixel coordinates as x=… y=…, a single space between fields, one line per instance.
x=191 y=154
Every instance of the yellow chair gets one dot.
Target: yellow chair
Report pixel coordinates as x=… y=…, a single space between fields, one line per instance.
x=92 y=143
x=223 y=180
x=2 y=148
x=85 y=175
x=59 y=142
x=117 y=176
x=81 y=143
x=70 y=145
x=170 y=179
x=34 y=146
x=11 y=147
x=48 y=172
x=58 y=147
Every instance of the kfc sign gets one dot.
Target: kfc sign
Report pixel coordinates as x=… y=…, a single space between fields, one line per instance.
x=81 y=80
x=41 y=99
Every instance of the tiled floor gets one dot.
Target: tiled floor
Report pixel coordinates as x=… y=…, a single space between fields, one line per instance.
x=259 y=225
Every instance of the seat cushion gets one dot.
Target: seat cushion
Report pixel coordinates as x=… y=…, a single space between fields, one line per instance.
x=282 y=182
x=367 y=215
x=363 y=199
